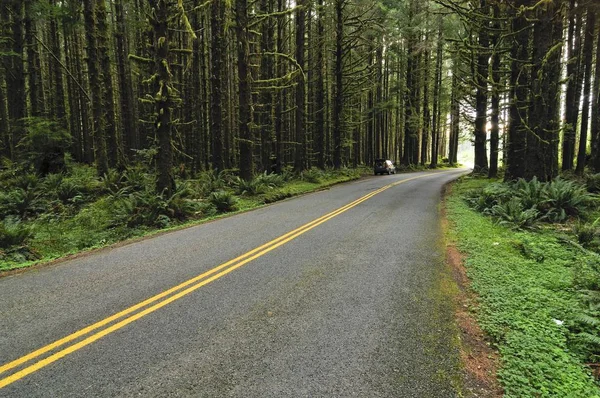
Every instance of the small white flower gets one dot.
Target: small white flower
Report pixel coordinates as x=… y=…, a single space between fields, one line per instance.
x=558 y=321
x=495 y=243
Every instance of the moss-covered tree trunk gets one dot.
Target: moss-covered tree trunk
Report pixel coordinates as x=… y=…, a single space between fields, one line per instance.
x=481 y=96
x=114 y=150
x=495 y=96
x=588 y=50
x=426 y=112
x=437 y=97
x=573 y=90
x=320 y=60
x=300 y=153
x=338 y=88
x=543 y=131
x=244 y=94
x=596 y=110
x=518 y=112
x=163 y=95
x=34 y=69
x=126 y=99
x=89 y=17
x=15 y=80
x=5 y=135
x=411 y=102
x=217 y=57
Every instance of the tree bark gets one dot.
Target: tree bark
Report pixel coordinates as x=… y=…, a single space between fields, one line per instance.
x=572 y=94
x=588 y=49
x=217 y=22
x=596 y=114
x=129 y=117
x=163 y=98
x=300 y=153
x=518 y=113
x=542 y=140
x=481 y=97
x=495 y=100
x=243 y=67
x=95 y=86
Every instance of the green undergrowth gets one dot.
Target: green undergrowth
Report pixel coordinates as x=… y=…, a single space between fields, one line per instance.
x=49 y=217
x=531 y=287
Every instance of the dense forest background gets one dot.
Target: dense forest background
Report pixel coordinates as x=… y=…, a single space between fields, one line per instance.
x=263 y=85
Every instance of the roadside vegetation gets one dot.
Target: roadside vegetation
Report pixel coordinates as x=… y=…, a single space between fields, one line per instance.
x=532 y=255
x=47 y=217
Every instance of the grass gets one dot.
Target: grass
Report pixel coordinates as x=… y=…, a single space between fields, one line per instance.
x=97 y=221
x=527 y=298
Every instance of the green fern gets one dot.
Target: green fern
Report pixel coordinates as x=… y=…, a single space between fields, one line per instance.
x=223 y=201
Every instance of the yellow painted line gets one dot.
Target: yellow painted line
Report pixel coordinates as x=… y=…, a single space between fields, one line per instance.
x=225 y=268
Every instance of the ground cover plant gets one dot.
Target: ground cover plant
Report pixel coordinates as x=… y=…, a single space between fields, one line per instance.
x=537 y=286
x=43 y=217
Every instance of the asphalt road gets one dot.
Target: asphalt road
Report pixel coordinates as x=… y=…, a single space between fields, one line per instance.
x=354 y=304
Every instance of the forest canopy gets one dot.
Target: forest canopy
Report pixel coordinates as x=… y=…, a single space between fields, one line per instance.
x=263 y=85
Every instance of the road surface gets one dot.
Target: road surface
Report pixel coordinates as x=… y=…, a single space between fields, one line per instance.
x=338 y=293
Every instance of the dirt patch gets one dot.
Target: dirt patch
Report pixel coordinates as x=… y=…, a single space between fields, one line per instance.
x=479 y=359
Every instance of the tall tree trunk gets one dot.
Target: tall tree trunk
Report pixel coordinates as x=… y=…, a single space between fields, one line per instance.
x=320 y=63
x=437 y=88
x=15 y=79
x=34 y=79
x=129 y=118
x=266 y=95
x=588 y=49
x=114 y=151
x=217 y=29
x=518 y=113
x=596 y=113
x=426 y=112
x=95 y=86
x=243 y=67
x=496 y=87
x=481 y=79
x=455 y=116
x=164 y=100
x=5 y=131
x=411 y=123
x=73 y=95
x=338 y=88
x=542 y=140
x=572 y=94
x=300 y=157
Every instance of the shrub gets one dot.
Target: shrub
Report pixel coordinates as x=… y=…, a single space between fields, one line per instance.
x=223 y=201
x=69 y=192
x=13 y=234
x=110 y=182
x=312 y=175
x=252 y=187
x=563 y=199
x=21 y=203
x=513 y=214
x=211 y=181
x=530 y=193
x=486 y=198
x=271 y=180
x=137 y=178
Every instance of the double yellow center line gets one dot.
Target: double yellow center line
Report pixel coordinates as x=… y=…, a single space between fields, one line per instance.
x=160 y=300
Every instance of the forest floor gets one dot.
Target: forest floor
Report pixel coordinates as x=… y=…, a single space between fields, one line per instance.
x=519 y=304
